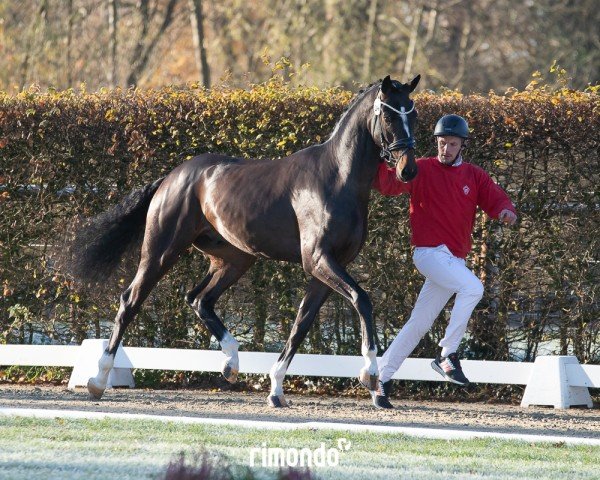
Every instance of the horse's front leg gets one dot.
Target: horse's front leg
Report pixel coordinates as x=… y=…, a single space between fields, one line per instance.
x=330 y=272
x=316 y=294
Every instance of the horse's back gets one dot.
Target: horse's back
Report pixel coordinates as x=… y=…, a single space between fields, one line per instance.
x=198 y=164
x=246 y=201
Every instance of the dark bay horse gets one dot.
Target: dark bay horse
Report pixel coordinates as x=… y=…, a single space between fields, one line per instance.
x=308 y=208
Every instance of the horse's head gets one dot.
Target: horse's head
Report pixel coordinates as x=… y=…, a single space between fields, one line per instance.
x=394 y=118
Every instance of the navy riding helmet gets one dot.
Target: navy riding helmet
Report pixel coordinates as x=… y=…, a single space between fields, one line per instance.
x=452 y=125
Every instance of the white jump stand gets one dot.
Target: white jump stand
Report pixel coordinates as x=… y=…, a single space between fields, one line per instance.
x=86 y=366
x=549 y=384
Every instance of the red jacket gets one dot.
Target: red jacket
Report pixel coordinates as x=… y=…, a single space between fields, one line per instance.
x=444 y=200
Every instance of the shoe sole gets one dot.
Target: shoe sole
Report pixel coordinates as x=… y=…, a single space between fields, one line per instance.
x=439 y=370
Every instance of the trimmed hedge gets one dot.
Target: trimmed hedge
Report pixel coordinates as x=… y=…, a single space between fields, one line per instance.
x=65 y=154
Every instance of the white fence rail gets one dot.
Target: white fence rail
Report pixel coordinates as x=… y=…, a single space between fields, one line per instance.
x=559 y=381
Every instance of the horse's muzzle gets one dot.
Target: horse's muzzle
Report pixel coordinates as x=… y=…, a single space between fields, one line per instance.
x=407 y=166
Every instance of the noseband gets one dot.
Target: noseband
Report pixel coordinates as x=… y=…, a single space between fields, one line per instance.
x=404 y=144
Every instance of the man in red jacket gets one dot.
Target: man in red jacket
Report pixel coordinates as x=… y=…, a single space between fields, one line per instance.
x=444 y=197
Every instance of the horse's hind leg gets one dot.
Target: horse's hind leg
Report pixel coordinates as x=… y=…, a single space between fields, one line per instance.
x=222 y=274
x=132 y=298
x=316 y=294
x=161 y=249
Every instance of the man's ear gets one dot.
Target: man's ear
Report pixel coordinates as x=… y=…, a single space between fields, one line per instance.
x=386 y=85
x=414 y=82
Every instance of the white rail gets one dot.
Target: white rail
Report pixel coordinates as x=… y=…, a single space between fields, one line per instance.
x=552 y=380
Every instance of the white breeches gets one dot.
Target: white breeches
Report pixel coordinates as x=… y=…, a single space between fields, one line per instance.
x=445 y=275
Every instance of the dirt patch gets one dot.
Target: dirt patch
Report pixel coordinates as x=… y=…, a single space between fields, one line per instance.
x=581 y=422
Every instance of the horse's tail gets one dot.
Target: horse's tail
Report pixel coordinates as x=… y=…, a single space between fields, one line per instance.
x=98 y=246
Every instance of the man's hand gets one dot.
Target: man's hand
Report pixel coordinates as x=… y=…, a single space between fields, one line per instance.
x=507 y=216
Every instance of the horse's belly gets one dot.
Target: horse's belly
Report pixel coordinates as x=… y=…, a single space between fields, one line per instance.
x=270 y=241
x=265 y=234
x=252 y=215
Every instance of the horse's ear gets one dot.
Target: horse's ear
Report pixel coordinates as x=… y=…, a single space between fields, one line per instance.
x=414 y=83
x=386 y=85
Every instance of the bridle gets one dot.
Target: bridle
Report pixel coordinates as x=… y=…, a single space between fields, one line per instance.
x=404 y=144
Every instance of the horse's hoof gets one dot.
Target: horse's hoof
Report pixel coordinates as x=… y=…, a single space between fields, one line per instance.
x=367 y=380
x=95 y=391
x=278 y=401
x=230 y=374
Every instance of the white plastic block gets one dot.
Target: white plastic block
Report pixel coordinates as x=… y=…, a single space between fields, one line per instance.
x=549 y=384
x=86 y=366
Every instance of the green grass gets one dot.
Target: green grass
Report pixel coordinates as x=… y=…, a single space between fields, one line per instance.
x=94 y=449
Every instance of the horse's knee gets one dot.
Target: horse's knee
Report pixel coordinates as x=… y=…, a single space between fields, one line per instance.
x=319 y=265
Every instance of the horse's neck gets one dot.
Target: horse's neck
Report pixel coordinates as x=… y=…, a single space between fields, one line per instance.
x=354 y=154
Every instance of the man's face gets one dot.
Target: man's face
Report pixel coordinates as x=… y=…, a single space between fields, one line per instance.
x=448 y=148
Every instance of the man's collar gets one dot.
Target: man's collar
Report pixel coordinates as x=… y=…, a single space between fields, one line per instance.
x=457 y=163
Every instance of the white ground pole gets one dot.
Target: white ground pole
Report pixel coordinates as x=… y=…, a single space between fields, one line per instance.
x=432 y=433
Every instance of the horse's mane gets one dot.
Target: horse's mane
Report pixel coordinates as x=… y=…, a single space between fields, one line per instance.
x=361 y=93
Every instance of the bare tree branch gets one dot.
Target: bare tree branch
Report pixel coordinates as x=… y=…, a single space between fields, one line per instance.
x=112 y=41
x=366 y=73
x=197 y=22
x=145 y=47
